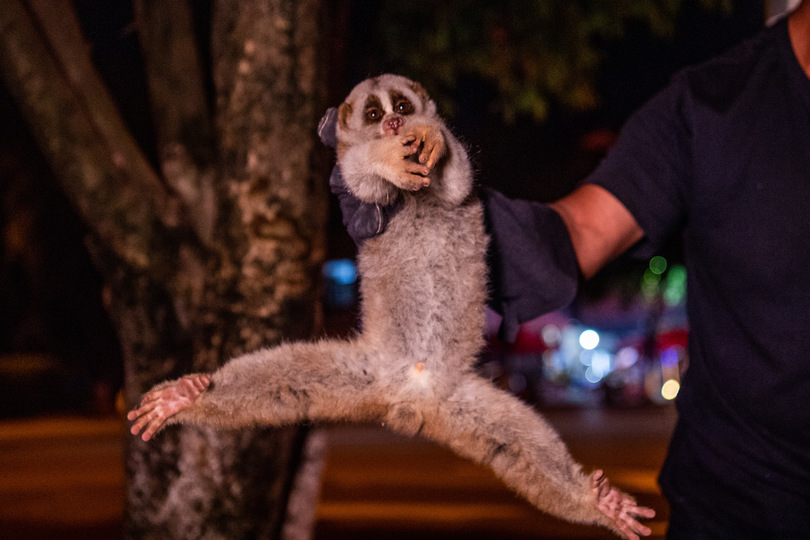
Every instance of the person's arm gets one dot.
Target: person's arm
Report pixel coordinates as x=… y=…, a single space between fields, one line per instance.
x=600 y=227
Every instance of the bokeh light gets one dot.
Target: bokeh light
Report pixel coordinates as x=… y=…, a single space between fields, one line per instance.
x=589 y=339
x=658 y=265
x=669 y=390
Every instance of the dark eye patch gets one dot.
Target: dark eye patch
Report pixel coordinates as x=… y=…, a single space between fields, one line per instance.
x=373 y=110
x=402 y=105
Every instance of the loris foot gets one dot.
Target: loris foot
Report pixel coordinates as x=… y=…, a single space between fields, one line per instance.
x=620 y=508
x=165 y=401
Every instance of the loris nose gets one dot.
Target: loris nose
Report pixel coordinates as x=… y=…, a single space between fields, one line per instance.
x=392 y=125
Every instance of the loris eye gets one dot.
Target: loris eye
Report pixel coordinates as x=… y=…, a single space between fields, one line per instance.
x=403 y=106
x=374 y=114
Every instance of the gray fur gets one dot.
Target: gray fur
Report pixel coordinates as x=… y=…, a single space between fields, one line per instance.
x=423 y=295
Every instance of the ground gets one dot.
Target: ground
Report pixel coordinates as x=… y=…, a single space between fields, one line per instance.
x=63 y=478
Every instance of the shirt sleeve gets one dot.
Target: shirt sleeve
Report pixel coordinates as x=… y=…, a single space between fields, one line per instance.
x=533 y=267
x=649 y=168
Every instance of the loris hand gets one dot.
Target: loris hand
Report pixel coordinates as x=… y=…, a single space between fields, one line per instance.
x=620 y=508
x=431 y=141
x=165 y=401
x=392 y=157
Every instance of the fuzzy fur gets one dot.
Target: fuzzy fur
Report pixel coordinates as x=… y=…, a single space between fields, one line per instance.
x=423 y=287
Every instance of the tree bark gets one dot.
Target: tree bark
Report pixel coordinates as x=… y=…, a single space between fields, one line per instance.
x=79 y=131
x=215 y=256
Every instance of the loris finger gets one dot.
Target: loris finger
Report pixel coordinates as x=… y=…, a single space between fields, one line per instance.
x=143 y=421
x=633 y=529
x=411 y=144
x=431 y=152
x=149 y=397
x=201 y=382
x=429 y=157
x=418 y=169
x=151 y=429
x=142 y=409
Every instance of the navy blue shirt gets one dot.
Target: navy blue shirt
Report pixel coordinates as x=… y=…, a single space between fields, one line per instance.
x=722 y=157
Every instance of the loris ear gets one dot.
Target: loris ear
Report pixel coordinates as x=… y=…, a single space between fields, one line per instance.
x=420 y=91
x=344 y=113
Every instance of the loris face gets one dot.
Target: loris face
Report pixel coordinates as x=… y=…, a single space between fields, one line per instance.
x=389 y=138
x=380 y=107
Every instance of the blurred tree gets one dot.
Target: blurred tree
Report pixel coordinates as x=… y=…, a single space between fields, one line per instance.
x=209 y=254
x=534 y=52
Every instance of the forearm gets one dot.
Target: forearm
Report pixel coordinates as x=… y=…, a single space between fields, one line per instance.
x=599 y=226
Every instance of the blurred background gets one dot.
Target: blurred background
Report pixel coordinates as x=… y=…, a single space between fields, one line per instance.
x=538 y=91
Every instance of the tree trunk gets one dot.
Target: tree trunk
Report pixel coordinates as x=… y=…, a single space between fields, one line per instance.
x=216 y=255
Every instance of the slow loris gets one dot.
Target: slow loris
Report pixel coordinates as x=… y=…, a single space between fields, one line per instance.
x=423 y=287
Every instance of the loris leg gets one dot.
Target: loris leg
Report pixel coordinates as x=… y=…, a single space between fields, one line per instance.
x=487 y=425
x=291 y=383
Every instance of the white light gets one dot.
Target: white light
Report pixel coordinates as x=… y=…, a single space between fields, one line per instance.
x=585 y=358
x=551 y=335
x=588 y=340
x=670 y=389
x=601 y=363
x=593 y=376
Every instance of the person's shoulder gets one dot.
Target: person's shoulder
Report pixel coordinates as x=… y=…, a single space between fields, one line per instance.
x=732 y=71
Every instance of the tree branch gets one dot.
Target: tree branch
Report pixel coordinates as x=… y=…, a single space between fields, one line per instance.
x=80 y=132
x=184 y=130
x=61 y=27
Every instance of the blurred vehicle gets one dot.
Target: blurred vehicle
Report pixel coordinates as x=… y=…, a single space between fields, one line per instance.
x=614 y=352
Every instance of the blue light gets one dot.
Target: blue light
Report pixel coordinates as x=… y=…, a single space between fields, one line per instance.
x=342 y=271
x=669 y=358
